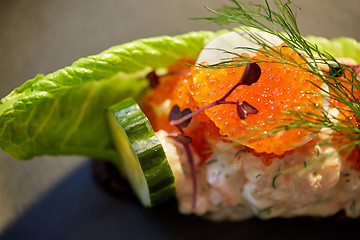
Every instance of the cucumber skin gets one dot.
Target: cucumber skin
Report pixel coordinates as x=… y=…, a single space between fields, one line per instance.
x=149 y=152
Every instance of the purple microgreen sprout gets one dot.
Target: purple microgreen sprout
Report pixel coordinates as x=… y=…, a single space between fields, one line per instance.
x=244 y=108
x=180 y=138
x=185 y=141
x=251 y=75
x=176 y=113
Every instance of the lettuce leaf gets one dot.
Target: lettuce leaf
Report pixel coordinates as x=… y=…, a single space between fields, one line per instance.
x=338 y=47
x=63 y=113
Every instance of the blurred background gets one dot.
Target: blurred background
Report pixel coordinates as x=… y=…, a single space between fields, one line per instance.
x=41 y=36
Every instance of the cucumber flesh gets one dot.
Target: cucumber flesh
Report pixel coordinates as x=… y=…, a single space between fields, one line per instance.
x=142 y=158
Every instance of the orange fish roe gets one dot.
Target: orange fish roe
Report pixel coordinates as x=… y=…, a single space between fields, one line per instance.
x=280 y=87
x=174 y=87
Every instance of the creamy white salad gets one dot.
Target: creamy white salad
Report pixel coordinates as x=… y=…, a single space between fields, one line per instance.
x=236 y=185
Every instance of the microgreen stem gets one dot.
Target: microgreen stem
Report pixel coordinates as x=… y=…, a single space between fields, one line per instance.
x=250 y=76
x=242 y=81
x=190 y=115
x=185 y=141
x=193 y=174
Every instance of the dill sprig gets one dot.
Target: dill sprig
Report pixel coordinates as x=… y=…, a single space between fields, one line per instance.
x=281 y=22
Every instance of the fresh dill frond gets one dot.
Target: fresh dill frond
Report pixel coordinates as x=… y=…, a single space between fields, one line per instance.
x=341 y=81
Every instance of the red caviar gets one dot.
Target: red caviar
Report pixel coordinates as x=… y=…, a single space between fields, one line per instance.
x=281 y=87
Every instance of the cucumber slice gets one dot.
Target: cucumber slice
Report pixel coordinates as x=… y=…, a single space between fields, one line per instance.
x=142 y=159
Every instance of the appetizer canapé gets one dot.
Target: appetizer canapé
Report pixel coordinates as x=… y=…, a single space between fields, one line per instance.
x=252 y=121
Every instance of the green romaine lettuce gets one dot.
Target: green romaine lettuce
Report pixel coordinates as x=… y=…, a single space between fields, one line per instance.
x=63 y=113
x=338 y=47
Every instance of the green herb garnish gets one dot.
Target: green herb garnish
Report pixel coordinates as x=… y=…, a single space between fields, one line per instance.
x=341 y=80
x=279 y=173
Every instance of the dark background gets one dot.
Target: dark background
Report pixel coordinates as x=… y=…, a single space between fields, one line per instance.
x=56 y=197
